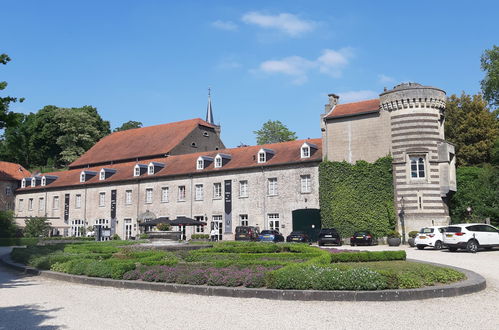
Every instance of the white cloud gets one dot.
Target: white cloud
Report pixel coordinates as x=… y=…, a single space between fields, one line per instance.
x=331 y=62
x=290 y=24
x=384 y=79
x=227 y=26
x=352 y=96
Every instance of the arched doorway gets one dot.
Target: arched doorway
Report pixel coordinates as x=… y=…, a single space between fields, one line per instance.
x=307 y=220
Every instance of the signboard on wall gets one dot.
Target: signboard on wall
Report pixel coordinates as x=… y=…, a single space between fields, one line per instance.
x=228 y=206
x=66 y=208
x=113 y=211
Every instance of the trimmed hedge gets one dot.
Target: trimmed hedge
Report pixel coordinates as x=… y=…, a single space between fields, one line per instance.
x=368 y=256
x=357 y=197
x=18 y=241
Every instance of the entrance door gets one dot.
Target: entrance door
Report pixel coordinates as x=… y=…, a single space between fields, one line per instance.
x=128 y=228
x=307 y=220
x=217 y=224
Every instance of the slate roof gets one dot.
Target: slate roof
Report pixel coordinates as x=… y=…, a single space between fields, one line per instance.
x=241 y=158
x=139 y=142
x=354 y=108
x=12 y=171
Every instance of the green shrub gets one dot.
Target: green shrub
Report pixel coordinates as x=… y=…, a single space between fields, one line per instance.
x=143 y=236
x=18 y=241
x=163 y=226
x=368 y=256
x=393 y=234
x=200 y=236
x=413 y=234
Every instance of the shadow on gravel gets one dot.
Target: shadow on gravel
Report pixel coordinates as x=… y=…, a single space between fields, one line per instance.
x=26 y=317
x=13 y=279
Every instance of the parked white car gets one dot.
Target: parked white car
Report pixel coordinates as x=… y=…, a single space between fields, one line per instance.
x=430 y=236
x=471 y=236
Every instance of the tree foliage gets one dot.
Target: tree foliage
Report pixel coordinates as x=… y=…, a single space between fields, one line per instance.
x=471 y=127
x=36 y=227
x=128 y=125
x=478 y=188
x=490 y=83
x=53 y=136
x=357 y=197
x=8 y=227
x=274 y=132
x=6 y=117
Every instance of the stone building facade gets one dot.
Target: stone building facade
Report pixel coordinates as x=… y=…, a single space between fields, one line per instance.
x=11 y=175
x=407 y=123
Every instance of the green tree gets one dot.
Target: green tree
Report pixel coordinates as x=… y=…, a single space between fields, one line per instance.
x=273 y=131
x=478 y=188
x=128 y=125
x=6 y=117
x=15 y=144
x=490 y=83
x=36 y=227
x=8 y=227
x=471 y=127
x=494 y=154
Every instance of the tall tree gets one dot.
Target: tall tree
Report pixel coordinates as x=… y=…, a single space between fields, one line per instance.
x=490 y=83
x=6 y=117
x=472 y=128
x=274 y=132
x=128 y=125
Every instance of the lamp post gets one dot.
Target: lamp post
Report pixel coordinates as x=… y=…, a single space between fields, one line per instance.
x=469 y=209
x=401 y=215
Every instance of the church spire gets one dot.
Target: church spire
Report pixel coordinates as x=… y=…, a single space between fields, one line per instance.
x=209 y=110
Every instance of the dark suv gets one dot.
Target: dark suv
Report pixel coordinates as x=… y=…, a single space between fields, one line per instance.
x=329 y=236
x=247 y=233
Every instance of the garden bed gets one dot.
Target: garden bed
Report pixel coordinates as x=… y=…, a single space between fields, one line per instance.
x=241 y=264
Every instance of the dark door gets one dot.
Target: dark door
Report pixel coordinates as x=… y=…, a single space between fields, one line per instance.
x=307 y=220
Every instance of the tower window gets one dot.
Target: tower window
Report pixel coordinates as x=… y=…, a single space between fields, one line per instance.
x=417 y=167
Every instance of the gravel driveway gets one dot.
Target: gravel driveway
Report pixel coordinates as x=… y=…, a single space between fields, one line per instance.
x=33 y=302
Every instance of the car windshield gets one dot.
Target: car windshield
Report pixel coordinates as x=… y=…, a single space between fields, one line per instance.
x=242 y=230
x=426 y=230
x=267 y=232
x=328 y=231
x=361 y=233
x=453 y=229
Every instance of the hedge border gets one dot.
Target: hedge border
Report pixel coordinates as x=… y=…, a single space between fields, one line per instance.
x=474 y=283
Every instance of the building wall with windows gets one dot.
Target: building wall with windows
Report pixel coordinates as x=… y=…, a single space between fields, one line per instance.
x=407 y=123
x=10 y=176
x=263 y=194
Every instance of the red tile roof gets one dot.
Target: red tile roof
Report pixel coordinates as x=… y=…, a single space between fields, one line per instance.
x=139 y=142
x=12 y=171
x=355 y=108
x=241 y=158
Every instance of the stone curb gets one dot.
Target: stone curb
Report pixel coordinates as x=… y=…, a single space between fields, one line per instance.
x=474 y=283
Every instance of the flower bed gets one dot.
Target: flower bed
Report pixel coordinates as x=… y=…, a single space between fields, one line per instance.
x=249 y=264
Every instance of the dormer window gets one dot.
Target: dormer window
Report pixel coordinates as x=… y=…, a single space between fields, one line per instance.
x=264 y=155
x=136 y=171
x=33 y=182
x=48 y=179
x=307 y=149
x=87 y=175
x=44 y=181
x=82 y=177
x=23 y=183
x=102 y=175
x=154 y=167
x=221 y=160
x=218 y=161
x=203 y=161
x=140 y=169
x=106 y=173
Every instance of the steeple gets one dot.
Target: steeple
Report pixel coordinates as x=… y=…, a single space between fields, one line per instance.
x=209 y=110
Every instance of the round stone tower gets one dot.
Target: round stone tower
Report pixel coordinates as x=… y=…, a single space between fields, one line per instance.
x=423 y=163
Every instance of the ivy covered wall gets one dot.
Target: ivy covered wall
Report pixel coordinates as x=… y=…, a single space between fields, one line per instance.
x=357 y=197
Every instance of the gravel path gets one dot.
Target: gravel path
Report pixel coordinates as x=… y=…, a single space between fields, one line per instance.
x=33 y=302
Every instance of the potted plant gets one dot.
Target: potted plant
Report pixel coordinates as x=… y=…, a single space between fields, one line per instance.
x=393 y=238
x=412 y=236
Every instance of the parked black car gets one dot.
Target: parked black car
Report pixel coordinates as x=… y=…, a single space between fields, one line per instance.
x=247 y=233
x=270 y=236
x=298 y=236
x=362 y=238
x=329 y=236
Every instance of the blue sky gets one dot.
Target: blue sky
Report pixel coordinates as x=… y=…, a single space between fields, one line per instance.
x=152 y=61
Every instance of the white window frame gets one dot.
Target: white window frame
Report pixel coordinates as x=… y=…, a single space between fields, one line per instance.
x=272 y=187
x=243 y=188
x=217 y=190
x=420 y=161
x=199 y=192
x=136 y=170
x=305 y=183
x=30 y=204
x=55 y=202
x=23 y=183
x=102 y=199
x=150 y=169
x=21 y=204
x=243 y=220
x=128 y=197
x=33 y=182
x=181 y=193
x=82 y=177
x=41 y=204
x=149 y=195
x=200 y=163
x=218 y=161
x=165 y=191
x=274 y=221
x=44 y=181
x=262 y=157
x=78 y=201
x=102 y=175
x=305 y=151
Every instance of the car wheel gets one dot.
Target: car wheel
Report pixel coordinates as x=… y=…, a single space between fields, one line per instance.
x=472 y=246
x=452 y=249
x=352 y=244
x=420 y=247
x=438 y=245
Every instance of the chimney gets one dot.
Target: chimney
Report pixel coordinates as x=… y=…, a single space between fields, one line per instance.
x=333 y=101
